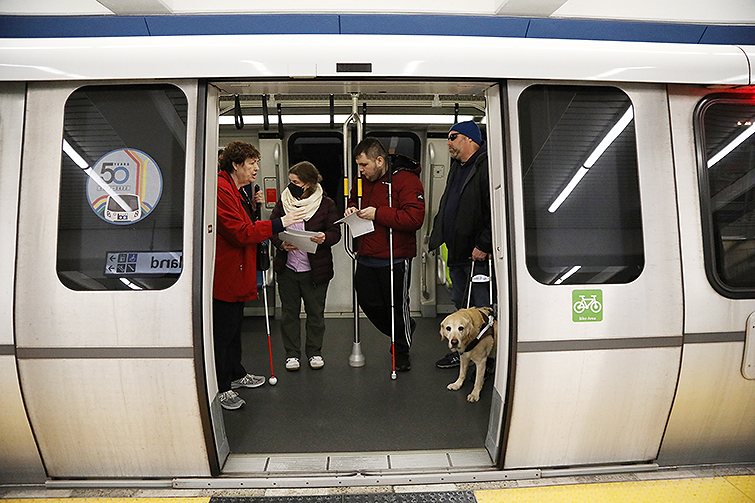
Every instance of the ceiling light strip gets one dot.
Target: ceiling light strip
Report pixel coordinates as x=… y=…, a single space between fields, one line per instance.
x=732 y=145
x=568 y=274
x=606 y=142
x=81 y=162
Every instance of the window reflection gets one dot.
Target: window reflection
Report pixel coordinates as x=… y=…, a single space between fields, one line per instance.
x=582 y=215
x=728 y=176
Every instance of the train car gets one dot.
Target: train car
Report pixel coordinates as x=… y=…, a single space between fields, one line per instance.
x=621 y=176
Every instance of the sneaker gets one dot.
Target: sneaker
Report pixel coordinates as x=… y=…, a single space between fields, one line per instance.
x=248 y=381
x=449 y=361
x=231 y=400
x=403 y=364
x=292 y=364
x=316 y=362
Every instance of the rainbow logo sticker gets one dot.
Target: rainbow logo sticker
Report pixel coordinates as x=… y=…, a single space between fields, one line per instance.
x=124 y=186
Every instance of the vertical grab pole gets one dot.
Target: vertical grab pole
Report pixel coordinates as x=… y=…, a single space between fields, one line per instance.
x=426 y=239
x=356 y=359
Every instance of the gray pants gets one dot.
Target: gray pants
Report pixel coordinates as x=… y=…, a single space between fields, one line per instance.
x=293 y=287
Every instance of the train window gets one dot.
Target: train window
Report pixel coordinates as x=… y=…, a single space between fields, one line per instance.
x=325 y=151
x=727 y=180
x=120 y=223
x=405 y=143
x=582 y=212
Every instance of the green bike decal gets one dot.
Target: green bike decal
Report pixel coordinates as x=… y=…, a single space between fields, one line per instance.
x=587 y=305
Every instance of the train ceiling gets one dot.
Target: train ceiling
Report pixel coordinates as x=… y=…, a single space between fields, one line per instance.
x=684 y=11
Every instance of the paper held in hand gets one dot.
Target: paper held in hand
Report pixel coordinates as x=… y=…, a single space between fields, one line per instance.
x=357 y=226
x=300 y=239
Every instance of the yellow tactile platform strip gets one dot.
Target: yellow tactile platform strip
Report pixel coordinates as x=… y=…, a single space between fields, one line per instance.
x=734 y=489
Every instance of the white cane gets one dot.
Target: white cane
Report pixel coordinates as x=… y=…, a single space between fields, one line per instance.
x=390 y=257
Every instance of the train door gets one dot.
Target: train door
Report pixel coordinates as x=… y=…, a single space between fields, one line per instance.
x=713 y=419
x=107 y=310
x=597 y=298
x=411 y=118
x=19 y=459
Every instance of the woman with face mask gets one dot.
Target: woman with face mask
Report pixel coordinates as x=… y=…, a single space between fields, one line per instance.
x=301 y=275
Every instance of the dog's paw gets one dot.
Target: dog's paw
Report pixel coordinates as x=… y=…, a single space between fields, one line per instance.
x=454 y=386
x=473 y=397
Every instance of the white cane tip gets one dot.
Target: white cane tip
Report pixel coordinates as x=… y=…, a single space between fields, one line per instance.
x=273 y=381
x=393 y=376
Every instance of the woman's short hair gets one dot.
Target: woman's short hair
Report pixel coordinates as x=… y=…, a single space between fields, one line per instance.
x=307 y=173
x=238 y=152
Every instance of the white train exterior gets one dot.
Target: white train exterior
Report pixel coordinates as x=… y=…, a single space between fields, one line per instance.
x=106 y=384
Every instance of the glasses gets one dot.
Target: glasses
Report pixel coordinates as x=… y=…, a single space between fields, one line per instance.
x=453 y=136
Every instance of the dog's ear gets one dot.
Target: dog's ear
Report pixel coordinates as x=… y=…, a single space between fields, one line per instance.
x=470 y=319
x=479 y=316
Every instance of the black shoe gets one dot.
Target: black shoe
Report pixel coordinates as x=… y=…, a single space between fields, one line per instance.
x=449 y=361
x=403 y=364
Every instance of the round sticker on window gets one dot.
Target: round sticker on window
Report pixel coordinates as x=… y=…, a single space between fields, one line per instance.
x=124 y=186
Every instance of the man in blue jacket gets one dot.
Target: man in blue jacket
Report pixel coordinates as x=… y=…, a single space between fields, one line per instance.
x=463 y=219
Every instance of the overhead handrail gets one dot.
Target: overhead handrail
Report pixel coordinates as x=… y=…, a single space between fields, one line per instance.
x=332 y=111
x=265 y=114
x=238 y=116
x=280 y=121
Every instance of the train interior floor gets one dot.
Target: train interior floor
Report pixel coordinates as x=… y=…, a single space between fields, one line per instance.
x=344 y=409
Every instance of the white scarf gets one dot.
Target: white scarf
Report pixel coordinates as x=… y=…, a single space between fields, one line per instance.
x=311 y=203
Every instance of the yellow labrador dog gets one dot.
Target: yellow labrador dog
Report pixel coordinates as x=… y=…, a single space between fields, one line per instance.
x=462 y=329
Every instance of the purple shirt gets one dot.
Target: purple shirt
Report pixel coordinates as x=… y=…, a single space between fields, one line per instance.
x=297 y=260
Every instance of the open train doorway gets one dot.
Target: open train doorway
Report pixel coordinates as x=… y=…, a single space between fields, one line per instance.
x=344 y=418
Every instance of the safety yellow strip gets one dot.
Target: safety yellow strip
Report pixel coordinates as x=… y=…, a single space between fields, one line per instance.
x=359 y=187
x=735 y=489
x=345 y=186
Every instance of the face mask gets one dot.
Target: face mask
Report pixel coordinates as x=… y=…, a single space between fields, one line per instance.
x=295 y=190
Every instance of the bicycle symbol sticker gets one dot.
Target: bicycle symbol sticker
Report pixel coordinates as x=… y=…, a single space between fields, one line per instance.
x=587 y=305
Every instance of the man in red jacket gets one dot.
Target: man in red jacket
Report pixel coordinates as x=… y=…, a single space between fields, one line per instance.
x=404 y=215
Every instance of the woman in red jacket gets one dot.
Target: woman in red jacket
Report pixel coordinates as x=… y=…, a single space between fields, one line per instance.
x=301 y=275
x=236 y=266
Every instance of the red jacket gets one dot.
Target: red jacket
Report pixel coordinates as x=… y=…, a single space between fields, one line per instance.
x=405 y=216
x=236 y=245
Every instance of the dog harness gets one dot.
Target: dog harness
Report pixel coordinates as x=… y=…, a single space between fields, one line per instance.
x=482 y=333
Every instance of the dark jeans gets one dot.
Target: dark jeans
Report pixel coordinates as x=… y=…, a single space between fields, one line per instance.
x=226 y=326
x=373 y=285
x=294 y=287
x=460 y=277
